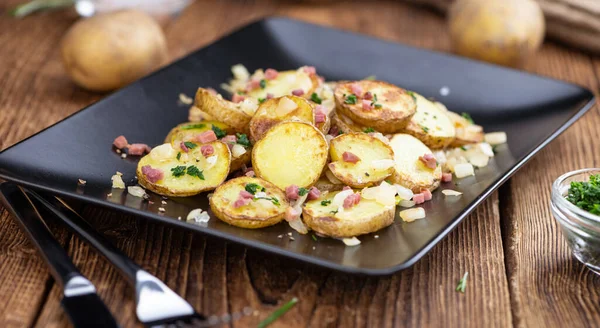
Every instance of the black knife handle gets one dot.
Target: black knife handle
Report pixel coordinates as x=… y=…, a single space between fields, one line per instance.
x=61 y=267
x=49 y=204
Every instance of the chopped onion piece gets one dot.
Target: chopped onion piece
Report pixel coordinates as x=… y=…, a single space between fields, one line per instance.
x=479 y=159
x=440 y=157
x=403 y=192
x=382 y=164
x=486 y=149
x=328 y=137
x=463 y=170
x=298 y=225
x=184 y=99
x=495 y=138
x=198 y=216
x=260 y=194
x=406 y=203
x=351 y=241
x=382 y=194
x=285 y=106
x=211 y=160
x=249 y=106
x=412 y=214
x=163 y=152
x=136 y=191
x=237 y=150
x=338 y=199
x=332 y=177
x=381 y=137
x=450 y=192
x=117 y=181
x=240 y=72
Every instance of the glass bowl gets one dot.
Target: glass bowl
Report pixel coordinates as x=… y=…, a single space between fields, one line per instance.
x=580 y=228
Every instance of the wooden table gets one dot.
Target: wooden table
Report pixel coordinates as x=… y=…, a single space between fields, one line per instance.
x=521 y=272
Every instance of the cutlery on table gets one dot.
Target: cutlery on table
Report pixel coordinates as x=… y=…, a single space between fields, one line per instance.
x=80 y=301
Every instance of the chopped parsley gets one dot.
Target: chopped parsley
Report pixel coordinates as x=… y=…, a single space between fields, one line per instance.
x=378 y=105
x=412 y=94
x=253 y=188
x=586 y=195
x=302 y=191
x=374 y=102
x=462 y=283
x=261 y=100
x=315 y=98
x=426 y=129
x=192 y=170
x=334 y=212
x=467 y=117
x=263 y=83
x=463 y=148
x=351 y=99
x=178 y=171
x=325 y=202
x=192 y=126
x=190 y=144
x=368 y=130
x=178 y=155
x=242 y=139
x=340 y=132
x=220 y=133
x=314 y=237
x=273 y=200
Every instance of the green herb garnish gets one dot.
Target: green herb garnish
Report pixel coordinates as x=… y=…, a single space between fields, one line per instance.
x=368 y=130
x=334 y=212
x=314 y=237
x=302 y=191
x=340 y=132
x=325 y=202
x=378 y=106
x=370 y=78
x=273 y=200
x=178 y=155
x=263 y=83
x=426 y=129
x=192 y=126
x=412 y=94
x=242 y=139
x=178 y=171
x=351 y=99
x=315 y=98
x=195 y=172
x=190 y=144
x=220 y=133
x=261 y=100
x=253 y=188
x=467 y=117
x=586 y=195
x=463 y=148
x=278 y=313
x=462 y=284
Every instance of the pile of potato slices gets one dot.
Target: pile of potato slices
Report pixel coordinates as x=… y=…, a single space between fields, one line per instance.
x=332 y=157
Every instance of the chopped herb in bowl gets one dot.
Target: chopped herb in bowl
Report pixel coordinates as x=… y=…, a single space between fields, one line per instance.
x=586 y=194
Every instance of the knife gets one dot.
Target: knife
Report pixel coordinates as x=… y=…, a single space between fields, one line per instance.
x=80 y=301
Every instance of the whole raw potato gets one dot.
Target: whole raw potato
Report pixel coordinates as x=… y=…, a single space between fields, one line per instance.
x=108 y=51
x=505 y=32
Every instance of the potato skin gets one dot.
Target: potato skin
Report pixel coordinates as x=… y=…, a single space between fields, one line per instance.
x=109 y=51
x=290 y=153
x=266 y=115
x=222 y=110
x=198 y=115
x=430 y=124
x=238 y=162
x=280 y=87
x=180 y=132
x=249 y=216
x=409 y=171
x=345 y=124
x=398 y=106
x=466 y=132
x=323 y=184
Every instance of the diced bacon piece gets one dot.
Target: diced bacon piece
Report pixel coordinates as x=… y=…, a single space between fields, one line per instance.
x=446 y=177
x=366 y=105
x=241 y=202
x=270 y=96
x=298 y=92
x=245 y=194
x=310 y=70
x=292 y=214
x=253 y=84
x=120 y=142
x=350 y=157
x=313 y=193
x=419 y=198
x=207 y=150
x=271 y=74
x=319 y=114
x=352 y=200
x=183 y=147
x=368 y=95
x=429 y=161
x=153 y=175
x=138 y=149
x=206 y=136
x=237 y=98
x=291 y=192
x=212 y=91
x=427 y=194
x=250 y=173
x=356 y=89
x=346 y=188
x=334 y=131
x=229 y=139
x=428 y=157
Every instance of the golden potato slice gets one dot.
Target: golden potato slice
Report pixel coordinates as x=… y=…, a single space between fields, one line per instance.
x=185 y=174
x=277 y=110
x=430 y=124
x=392 y=106
x=290 y=153
x=267 y=208
x=235 y=115
x=466 y=131
x=376 y=159
x=238 y=162
x=410 y=172
x=323 y=184
x=187 y=131
x=324 y=216
x=345 y=125
x=285 y=83
x=197 y=115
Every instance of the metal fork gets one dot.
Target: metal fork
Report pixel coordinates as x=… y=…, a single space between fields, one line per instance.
x=156 y=304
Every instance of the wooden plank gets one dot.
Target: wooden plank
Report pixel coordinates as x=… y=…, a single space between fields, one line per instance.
x=548 y=286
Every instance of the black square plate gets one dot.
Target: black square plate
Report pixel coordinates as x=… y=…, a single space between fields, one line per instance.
x=531 y=109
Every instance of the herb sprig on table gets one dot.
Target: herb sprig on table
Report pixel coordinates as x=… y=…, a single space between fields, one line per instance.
x=586 y=195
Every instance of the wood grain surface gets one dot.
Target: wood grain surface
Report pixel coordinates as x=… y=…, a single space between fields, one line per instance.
x=520 y=270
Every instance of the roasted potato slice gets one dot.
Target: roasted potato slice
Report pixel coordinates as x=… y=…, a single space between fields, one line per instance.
x=410 y=172
x=345 y=125
x=184 y=174
x=277 y=110
x=197 y=115
x=290 y=153
x=241 y=160
x=375 y=159
x=327 y=217
x=430 y=124
x=236 y=115
x=187 y=131
x=266 y=208
x=323 y=184
x=466 y=131
x=392 y=106
x=285 y=83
